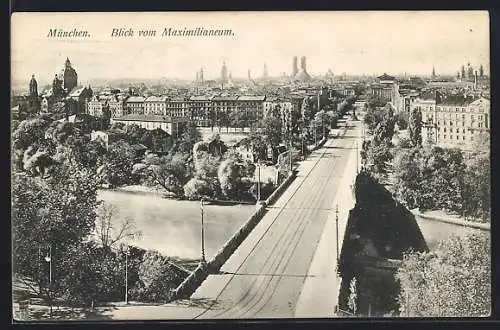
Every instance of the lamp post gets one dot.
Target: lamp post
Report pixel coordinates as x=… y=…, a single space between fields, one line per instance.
x=337 y=230
x=290 y=150
x=48 y=258
x=202 y=235
x=258 y=182
x=126 y=274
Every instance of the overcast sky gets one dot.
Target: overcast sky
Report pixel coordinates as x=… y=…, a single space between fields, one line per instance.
x=351 y=42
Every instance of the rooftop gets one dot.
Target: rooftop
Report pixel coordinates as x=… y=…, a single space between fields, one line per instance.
x=457 y=99
x=149 y=118
x=136 y=99
x=156 y=99
x=252 y=98
x=385 y=76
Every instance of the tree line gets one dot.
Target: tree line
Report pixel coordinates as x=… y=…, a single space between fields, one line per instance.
x=427 y=177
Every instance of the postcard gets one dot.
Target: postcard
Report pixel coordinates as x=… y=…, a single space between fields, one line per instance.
x=250 y=165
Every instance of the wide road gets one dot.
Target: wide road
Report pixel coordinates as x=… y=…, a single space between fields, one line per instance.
x=265 y=276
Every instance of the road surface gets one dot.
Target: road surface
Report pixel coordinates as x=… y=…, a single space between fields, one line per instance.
x=266 y=275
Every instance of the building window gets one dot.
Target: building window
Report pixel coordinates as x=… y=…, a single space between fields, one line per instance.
x=444 y=136
x=444 y=130
x=463 y=137
x=457 y=137
x=458 y=130
x=451 y=123
x=463 y=130
x=456 y=109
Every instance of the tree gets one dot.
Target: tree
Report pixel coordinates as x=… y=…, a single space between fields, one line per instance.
x=30 y=132
x=453 y=281
x=476 y=194
x=110 y=230
x=57 y=214
x=352 y=302
x=415 y=125
x=230 y=175
x=157 y=277
x=272 y=130
x=189 y=136
x=170 y=172
x=306 y=110
x=402 y=120
x=119 y=162
x=372 y=118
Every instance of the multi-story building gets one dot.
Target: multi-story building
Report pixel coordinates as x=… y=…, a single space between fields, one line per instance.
x=200 y=108
x=95 y=106
x=115 y=103
x=155 y=105
x=252 y=105
x=177 y=107
x=172 y=126
x=453 y=121
x=283 y=108
x=135 y=105
x=77 y=100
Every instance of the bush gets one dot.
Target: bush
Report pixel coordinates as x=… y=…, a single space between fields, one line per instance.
x=157 y=277
x=454 y=281
x=196 y=188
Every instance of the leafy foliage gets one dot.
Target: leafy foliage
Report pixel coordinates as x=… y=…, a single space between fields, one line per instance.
x=119 y=162
x=57 y=212
x=416 y=127
x=455 y=280
x=170 y=172
x=156 y=276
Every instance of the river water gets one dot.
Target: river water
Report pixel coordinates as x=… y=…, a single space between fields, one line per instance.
x=174 y=227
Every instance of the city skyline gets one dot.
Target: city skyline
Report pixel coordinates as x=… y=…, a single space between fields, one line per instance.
x=351 y=42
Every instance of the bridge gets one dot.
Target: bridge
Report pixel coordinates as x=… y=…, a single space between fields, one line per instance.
x=286 y=267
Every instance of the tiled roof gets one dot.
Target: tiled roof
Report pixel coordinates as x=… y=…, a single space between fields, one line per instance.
x=385 y=76
x=252 y=98
x=156 y=99
x=200 y=98
x=459 y=100
x=224 y=98
x=135 y=99
x=77 y=91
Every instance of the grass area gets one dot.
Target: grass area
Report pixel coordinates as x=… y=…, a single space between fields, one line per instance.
x=173 y=227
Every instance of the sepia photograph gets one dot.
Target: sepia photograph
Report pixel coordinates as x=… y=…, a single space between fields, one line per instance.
x=250 y=165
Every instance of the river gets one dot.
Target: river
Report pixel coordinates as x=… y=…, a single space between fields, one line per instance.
x=174 y=227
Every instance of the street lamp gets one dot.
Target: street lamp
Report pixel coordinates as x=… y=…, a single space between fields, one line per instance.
x=48 y=258
x=202 y=235
x=126 y=274
x=337 y=231
x=258 y=182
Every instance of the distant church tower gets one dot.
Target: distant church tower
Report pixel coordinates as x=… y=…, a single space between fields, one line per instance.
x=433 y=73
x=223 y=73
x=295 y=68
x=264 y=74
x=33 y=94
x=70 y=78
